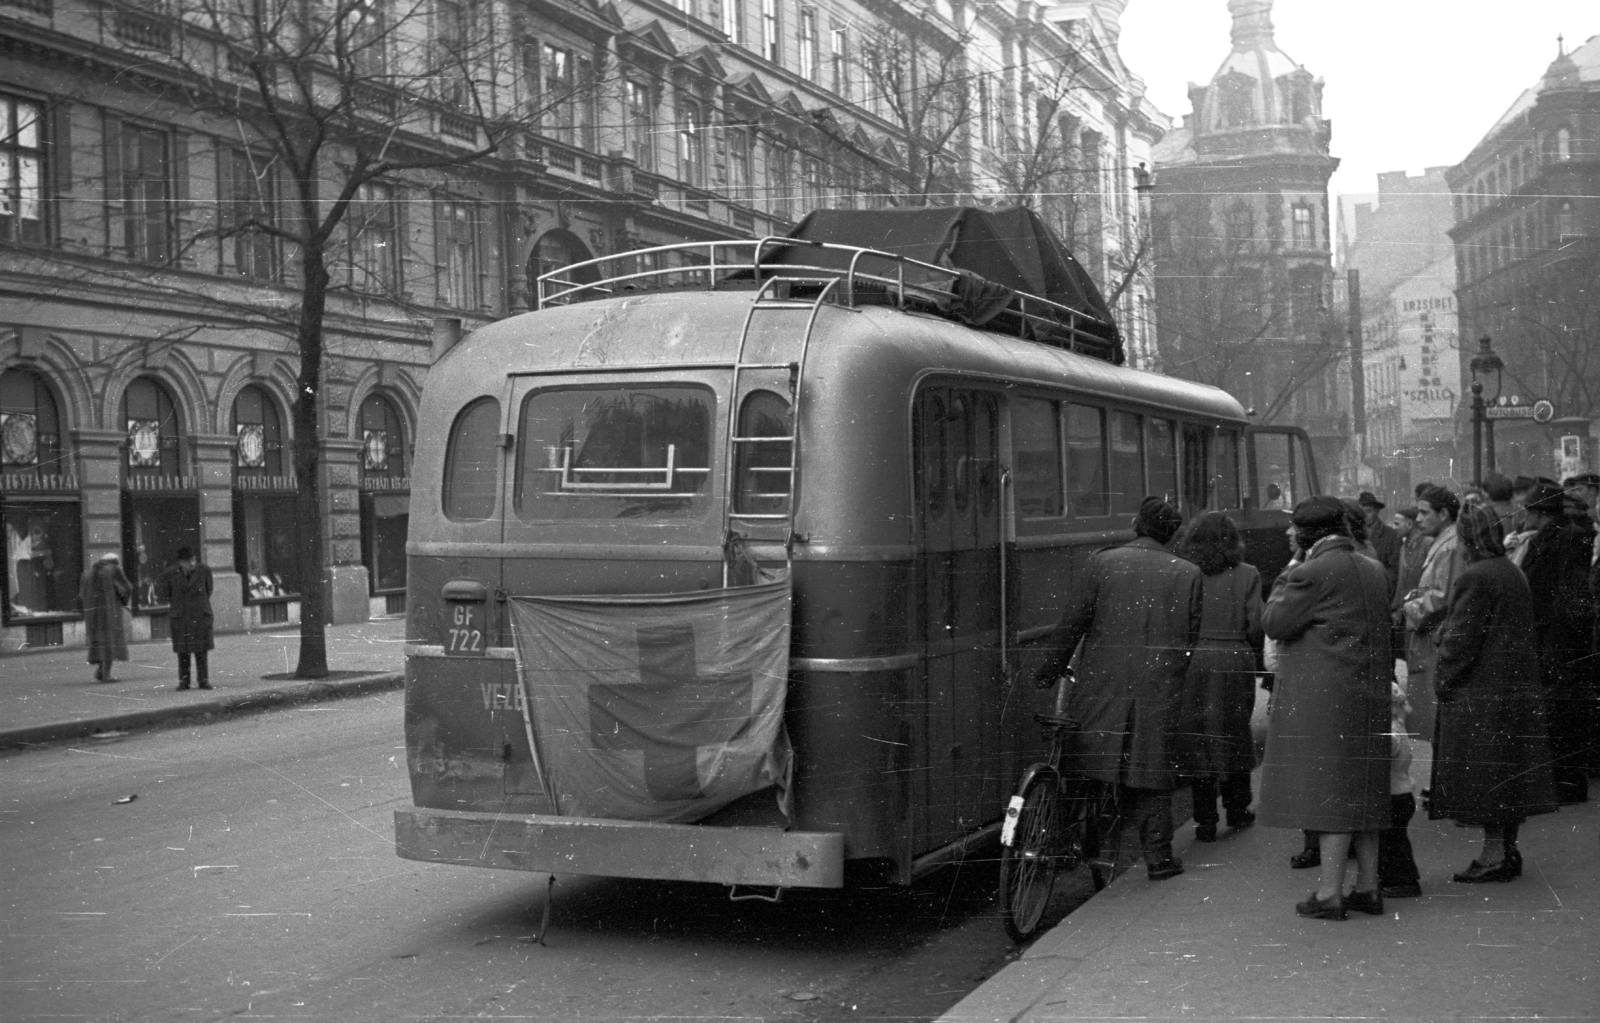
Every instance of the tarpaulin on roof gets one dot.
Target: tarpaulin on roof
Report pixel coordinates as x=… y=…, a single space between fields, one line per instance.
x=659 y=707
x=1011 y=248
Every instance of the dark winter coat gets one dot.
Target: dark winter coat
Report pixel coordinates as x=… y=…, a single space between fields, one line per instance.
x=1386 y=545
x=1137 y=612
x=1491 y=757
x=1413 y=552
x=188 y=597
x=103 y=592
x=1557 y=570
x=1220 y=686
x=1328 y=745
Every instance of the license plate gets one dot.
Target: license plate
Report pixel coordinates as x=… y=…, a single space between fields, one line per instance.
x=465 y=636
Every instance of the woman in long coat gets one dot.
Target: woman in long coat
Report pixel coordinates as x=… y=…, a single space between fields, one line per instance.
x=1491 y=759
x=1327 y=763
x=104 y=591
x=1219 y=689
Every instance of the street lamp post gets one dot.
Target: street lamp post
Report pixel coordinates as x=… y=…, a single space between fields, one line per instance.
x=1483 y=364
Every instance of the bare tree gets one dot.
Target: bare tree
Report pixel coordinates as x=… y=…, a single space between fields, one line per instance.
x=1546 y=327
x=321 y=107
x=920 y=84
x=1226 y=321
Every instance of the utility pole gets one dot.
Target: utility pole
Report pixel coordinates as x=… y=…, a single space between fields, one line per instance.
x=1358 y=373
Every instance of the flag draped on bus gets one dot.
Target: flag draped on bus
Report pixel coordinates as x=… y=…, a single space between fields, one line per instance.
x=656 y=707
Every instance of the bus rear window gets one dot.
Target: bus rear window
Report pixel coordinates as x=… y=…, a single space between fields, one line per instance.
x=471 y=463
x=615 y=453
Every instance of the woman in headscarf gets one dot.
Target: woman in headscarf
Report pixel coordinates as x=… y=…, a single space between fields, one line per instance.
x=103 y=592
x=1327 y=763
x=1491 y=760
x=1219 y=690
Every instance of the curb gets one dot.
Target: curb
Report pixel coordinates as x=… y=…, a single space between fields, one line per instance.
x=310 y=691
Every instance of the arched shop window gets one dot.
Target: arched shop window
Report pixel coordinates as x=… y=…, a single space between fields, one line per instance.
x=385 y=499
x=160 y=501
x=41 y=506
x=263 y=506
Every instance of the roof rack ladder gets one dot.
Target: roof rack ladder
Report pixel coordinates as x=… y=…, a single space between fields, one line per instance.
x=768 y=336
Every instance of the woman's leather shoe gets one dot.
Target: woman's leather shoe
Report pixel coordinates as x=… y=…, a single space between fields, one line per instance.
x=1514 y=857
x=1240 y=820
x=1331 y=908
x=1306 y=858
x=1205 y=832
x=1478 y=873
x=1365 y=902
x=1165 y=869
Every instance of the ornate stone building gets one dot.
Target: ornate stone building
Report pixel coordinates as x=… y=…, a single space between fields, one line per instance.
x=149 y=287
x=1243 y=247
x=1527 y=245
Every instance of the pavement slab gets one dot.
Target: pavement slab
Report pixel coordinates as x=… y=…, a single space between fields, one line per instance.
x=1222 y=940
x=47 y=696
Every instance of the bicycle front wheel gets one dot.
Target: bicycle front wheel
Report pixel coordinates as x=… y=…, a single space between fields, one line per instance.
x=1028 y=859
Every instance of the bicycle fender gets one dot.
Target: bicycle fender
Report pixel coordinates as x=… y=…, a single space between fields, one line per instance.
x=1008 y=826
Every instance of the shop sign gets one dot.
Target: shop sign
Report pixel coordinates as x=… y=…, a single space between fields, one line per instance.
x=392 y=483
x=260 y=482
x=252 y=445
x=38 y=482
x=168 y=483
x=19 y=438
x=144 y=443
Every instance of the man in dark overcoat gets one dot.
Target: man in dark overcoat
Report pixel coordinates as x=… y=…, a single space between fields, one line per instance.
x=1557 y=568
x=1136 y=610
x=186 y=587
x=1384 y=540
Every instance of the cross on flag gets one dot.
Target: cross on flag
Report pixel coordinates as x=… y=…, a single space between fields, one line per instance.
x=671 y=712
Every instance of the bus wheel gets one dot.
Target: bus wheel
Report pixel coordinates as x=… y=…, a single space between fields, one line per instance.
x=1028 y=860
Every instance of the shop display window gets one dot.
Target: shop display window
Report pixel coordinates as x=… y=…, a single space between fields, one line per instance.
x=263 y=540
x=384 y=520
x=154 y=526
x=44 y=557
x=386 y=495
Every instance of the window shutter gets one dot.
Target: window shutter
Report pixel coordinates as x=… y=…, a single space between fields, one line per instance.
x=111 y=185
x=441 y=247
x=61 y=147
x=182 y=216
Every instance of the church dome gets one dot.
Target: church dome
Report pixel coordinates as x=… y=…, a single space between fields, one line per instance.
x=1258 y=85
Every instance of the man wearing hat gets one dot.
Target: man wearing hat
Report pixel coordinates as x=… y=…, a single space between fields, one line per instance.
x=186 y=587
x=1136 y=610
x=1384 y=540
x=1557 y=567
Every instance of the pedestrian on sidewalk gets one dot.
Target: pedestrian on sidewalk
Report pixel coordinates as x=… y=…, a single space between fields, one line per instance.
x=1136 y=610
x=186 y=588
x=1557 y=569
x=103 y=593
x=1215 y=747
x=1327 y=763
x=1491 y=758
x=1424 y=606
x=1385 y=541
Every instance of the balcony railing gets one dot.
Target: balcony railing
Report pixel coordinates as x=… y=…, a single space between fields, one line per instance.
x=144 y=31
x=458 y=126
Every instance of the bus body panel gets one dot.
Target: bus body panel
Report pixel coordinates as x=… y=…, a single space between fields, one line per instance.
x=911 y=701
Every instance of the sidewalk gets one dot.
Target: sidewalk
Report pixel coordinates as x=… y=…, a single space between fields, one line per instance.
x=45 y=697
x=1222 y=941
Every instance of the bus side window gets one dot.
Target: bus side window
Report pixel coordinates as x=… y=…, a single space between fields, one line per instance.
x=1127 y=462
x=1036 y=458
x=1274 y=484
x=762 y=474
x=1196 y=469
x=1162 y=450
x=1226 y=460
x=1086 y=460
x=472 y=463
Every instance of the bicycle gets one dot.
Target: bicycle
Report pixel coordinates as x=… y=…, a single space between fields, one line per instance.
x=1054 y=822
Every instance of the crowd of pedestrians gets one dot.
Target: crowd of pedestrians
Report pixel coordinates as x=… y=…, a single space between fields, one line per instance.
x=1488 y=596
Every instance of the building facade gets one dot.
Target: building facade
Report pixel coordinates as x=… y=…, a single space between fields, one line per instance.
x=151 y=278
x=1527 y=242
x=1400 y=246
x=1243 y=246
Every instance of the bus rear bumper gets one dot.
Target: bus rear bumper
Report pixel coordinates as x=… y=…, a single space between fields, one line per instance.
x=615 y=848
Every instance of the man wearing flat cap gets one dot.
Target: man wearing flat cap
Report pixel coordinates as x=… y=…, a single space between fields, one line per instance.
x=1384 y=540
x=1136 y=611
x=1557 y=567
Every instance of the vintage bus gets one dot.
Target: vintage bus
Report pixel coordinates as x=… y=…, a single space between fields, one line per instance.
x=930 y=488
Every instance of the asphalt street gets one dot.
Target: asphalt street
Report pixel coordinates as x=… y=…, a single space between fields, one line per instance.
x=245 y=867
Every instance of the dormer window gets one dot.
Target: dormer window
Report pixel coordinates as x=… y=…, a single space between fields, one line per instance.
x=1235 y=94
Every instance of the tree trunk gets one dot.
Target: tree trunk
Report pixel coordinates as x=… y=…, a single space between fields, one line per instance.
x=309 y=546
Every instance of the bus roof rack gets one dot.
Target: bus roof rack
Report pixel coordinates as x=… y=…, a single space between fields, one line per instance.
x=998 y=271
